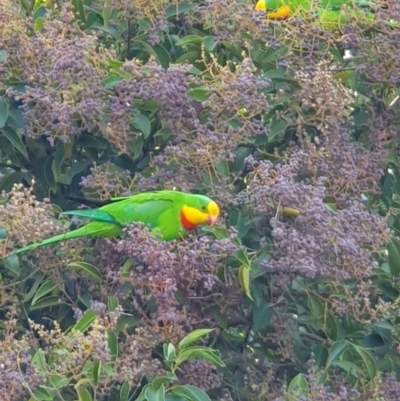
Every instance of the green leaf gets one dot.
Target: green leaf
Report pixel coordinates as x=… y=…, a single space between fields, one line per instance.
x=59 y=381
x=349 y=367
x=277 y=127
x=42 y=394
x=90 y=270
x=190 y=57
x=190 y=393
x=112 y=344
x=3 y=234
x=179 y=8
x=112 y=303
x=368 y=360
x=85 y=321
x=210 y=43
x=199 y=94
x=112 y=80
x=153 y=394
x=244 y=280
x=136 y=146
x=298 y=386
x=47 y=302
x=156 y=383
x=262 y=315
x=243 y=258
x=189 y=40
x=15 y=140
x=142 y=123
x=46 y=288
x=83 y=394
x=124 y=391
x=394 y=258
x=96 y=372
x=194 y=336
x=39 y=361
x=169 y=353
x=79 y=9
x=337 y=350
x=204 y=353
x=38 y=24
x=4 y=108
x=142 y=395
x=12 y=264
x=76 y=168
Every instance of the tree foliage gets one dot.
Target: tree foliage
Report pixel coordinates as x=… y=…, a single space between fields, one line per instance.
x=292 y=127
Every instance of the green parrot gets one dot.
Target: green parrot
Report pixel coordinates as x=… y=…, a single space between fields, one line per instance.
x=332 y=14
x=171 y=214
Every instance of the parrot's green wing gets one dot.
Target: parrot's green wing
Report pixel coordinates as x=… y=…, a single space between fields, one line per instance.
x=92 y=214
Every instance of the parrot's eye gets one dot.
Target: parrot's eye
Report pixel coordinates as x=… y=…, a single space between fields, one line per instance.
x=204 y=208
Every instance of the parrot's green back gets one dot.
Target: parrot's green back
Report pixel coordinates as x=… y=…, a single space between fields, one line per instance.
x=159 y=210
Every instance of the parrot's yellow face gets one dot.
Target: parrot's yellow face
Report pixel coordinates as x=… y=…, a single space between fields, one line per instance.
x=191 y=217
x=260 y=6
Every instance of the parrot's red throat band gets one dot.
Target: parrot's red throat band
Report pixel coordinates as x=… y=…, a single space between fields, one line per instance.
x=186 y=224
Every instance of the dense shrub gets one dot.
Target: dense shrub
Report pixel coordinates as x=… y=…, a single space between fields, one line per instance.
x=294 y=295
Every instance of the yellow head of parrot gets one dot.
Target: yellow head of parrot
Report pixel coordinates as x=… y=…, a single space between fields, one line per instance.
x=213 y=213
x=260 y=6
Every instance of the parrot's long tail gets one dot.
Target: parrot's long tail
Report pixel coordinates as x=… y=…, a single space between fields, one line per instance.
x=94 y=229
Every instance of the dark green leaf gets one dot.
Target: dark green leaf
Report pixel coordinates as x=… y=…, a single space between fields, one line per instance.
x=15 y=140
x=262 y=315
x=136 y=147
x=43 y=394
x=124 y=391
x=142 y=123
x=83 y=394
x=85 y=321
x=191 y=393
x=199 y=94
x=180 y=8
x=394 y=258
x=188 y=40
x=337 y=350
x=277 y=127
x=369 y=361
x=12 y=264
x=88 y=269
x=204 y=353
x=96 y=372
x=76 y=168
x=39 y=361
x=194 y=336
x=298 y=386
x=112 y=343
x=3 y=234
x=46 y=288
x=4 y=107
x=59 y=381
x=47 y=302
x=79 y=9
x=112 y=303
x=210 y=43
x=153 y=394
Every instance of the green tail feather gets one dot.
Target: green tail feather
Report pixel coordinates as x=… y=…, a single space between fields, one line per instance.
x=95 y=229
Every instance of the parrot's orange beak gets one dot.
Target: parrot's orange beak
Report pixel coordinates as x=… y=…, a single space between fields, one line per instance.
x=213 y=213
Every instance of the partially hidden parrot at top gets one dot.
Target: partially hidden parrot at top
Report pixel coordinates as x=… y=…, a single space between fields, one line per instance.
x=331 y=13
x=170 y=214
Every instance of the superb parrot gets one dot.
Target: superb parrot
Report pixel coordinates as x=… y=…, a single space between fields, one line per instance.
x=331 y=14
x=171 y=214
